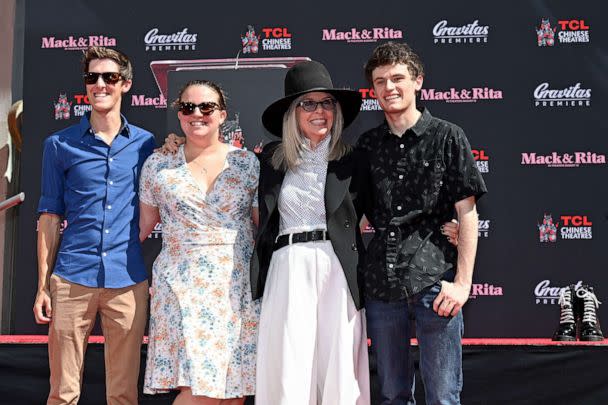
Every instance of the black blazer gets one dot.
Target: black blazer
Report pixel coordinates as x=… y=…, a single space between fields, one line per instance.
x=347 y=196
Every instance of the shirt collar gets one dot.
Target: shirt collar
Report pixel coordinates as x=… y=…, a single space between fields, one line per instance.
x=85 y=126
x=419 y=127
x=322 y=149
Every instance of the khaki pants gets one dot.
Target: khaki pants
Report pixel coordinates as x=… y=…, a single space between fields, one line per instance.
x=123 y=319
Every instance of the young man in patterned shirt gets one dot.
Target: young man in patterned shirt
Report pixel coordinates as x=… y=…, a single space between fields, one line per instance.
x=422 y=172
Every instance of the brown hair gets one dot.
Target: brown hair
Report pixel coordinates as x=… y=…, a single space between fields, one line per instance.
x=391 y=53
x=206 y=83
x=100 y=52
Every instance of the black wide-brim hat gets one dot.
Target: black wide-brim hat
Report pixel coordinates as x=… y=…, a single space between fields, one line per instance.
x=306 y=77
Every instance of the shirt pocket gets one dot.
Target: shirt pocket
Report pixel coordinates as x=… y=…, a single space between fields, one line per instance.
x=424 y=180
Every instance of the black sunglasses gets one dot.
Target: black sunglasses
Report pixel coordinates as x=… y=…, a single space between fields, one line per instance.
x=108 y=77
x=206 y=107
x=310 y=105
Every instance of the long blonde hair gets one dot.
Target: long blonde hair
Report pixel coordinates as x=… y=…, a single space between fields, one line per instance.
x=287 y=154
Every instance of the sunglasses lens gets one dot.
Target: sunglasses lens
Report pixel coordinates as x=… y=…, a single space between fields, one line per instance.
x=207 y=108
x=328 y=104
x=111 y=77
x=90 y=78
x=187 y=108
x=309 y=105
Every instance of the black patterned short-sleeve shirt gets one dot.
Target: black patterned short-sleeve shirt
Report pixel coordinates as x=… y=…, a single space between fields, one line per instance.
x=416 y=180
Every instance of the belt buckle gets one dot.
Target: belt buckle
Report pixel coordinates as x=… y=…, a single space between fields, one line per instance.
x=313 y=236
x=291 y=238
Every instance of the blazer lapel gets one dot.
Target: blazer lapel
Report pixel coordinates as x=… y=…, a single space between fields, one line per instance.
x=335 y=187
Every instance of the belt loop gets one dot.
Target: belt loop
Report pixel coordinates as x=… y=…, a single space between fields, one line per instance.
x=291 y=238
x=324 y=235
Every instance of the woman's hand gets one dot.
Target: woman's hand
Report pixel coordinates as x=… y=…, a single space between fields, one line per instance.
x=450 y=230
x=171 y=145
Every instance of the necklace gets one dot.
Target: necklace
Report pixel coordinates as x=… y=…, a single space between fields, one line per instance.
x=203 y=168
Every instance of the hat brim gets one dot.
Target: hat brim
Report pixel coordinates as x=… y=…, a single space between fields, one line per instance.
x=350 y=102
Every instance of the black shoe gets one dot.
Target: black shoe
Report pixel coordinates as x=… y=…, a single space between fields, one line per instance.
x=590 y=324
x=566 y=330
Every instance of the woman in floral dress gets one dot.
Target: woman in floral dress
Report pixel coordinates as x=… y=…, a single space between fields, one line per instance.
x=203 y=322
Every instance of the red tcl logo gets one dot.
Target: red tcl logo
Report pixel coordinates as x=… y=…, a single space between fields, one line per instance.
x=367 y=93
x=573 y=25
x=576 y=220
x=278 y=32
x=81 y=98
x=480 y=154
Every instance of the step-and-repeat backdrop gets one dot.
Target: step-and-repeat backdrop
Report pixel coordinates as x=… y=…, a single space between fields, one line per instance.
x=526 y=80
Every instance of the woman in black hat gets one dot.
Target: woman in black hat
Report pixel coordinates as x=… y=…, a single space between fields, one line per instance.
x=312 y=344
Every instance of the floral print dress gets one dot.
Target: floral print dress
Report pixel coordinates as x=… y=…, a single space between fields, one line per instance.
x=203 y=322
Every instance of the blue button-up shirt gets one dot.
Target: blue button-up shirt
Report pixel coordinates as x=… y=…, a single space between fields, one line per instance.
x=94 y=187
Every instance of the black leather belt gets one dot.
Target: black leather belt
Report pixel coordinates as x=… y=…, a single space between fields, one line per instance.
x=301 y=237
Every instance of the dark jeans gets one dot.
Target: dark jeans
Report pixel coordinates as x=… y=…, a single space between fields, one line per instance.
x=439 y=341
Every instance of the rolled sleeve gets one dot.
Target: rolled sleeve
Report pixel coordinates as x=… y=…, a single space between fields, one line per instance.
x=464 y=179
x=53 y=181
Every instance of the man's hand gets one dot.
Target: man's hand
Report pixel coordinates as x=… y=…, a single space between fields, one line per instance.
x=451 y=298
x=43 y=310
x=171 y=145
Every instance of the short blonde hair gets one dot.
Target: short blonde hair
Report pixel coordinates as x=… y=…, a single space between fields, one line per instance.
x=287 y=154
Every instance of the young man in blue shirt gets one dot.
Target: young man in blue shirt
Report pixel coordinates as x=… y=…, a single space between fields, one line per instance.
x=90 y=176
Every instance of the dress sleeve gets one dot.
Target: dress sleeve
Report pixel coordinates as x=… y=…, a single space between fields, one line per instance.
x=147 y=182
x=253 y=179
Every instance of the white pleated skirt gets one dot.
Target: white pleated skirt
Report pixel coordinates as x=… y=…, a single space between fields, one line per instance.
x=312 y=343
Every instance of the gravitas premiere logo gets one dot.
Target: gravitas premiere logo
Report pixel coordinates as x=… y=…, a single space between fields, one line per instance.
x=573 y=96
x=72 y=43
x=571 y=31
x=484 y=290
x=573 y=227
x=472 y=33
x=178 y=41
x=370 y=102
x=555 y=159
x=482 y=160
x=545 y=293
x=361 y=35
x=454 y=95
